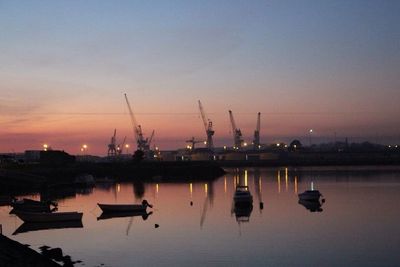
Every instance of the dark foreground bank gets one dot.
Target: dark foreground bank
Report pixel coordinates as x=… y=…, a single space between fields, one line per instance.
x=14 y=254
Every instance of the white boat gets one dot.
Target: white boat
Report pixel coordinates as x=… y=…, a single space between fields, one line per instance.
x=124 y=207
x=242 y=195
x=35 y=217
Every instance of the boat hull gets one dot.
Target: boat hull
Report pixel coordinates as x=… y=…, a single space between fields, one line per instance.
x=310 y=195
x=122 y=207
x=121 y=214
x=39 y=217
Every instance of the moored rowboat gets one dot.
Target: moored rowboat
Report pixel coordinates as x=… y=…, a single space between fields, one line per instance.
x=125 y=207
x=49 y=217
x=32 y=205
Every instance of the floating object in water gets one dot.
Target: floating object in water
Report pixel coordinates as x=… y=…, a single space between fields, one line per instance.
x=191 y=203
x=124 y=207
x=26 y=204
x=242 y=195
x=156 y=225
x=310 y=195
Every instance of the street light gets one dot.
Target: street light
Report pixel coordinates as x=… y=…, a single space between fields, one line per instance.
x=127 y=148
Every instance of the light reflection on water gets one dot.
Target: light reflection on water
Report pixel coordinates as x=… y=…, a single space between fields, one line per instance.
x=198 y=224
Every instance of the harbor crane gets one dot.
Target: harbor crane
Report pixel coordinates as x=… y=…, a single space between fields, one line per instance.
x=256 y=141
x=120 y=147
x=142 y=143
x=193 y=142
x=151 y=138
x=208 y=126
x=237 y=134
x=112 y=147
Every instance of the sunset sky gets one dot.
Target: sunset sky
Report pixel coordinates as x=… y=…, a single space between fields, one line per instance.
x=333 y=66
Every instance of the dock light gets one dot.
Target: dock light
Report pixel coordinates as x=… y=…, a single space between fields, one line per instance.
x=278 y=144
x=156 y=147
x=259 y=146
x=205 y=142
x=245 y=144
x=84 y=148
x=389 y=146
x=285 y=145
x=127 y=146
x=310 y=133
x=225 y=147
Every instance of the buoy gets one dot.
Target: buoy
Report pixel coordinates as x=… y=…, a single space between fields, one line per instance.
x=191 y=203
x=261 y=205
x=156 y=225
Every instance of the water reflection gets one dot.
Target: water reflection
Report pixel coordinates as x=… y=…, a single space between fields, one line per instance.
x=208 y=201
x=258 y=188
x=311 y=205
x=57 y=255
x=110 y=215
x=284 y=221
x=28 y=227
x=138 y=189
x=242 y=202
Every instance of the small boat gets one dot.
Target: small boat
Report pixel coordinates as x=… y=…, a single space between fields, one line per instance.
x=310 y=195
x=242 y=195
x=26 y=204
x=124 y=207
x=36 y=217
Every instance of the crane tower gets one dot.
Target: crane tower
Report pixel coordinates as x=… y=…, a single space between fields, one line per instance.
x=112 y=147
x=256 y=141
x=143 y=144
x=208 y=126
x=237 y=134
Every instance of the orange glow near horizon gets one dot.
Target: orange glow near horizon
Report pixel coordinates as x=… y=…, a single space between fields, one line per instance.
x=68 y=132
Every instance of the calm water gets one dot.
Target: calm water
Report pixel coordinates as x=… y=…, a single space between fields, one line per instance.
x=359 y=224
